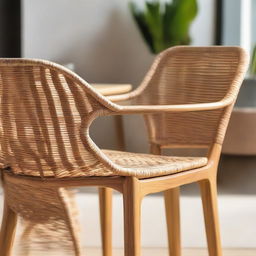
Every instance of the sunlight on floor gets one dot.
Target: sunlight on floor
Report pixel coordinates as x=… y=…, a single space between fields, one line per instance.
x=164 y=252
x=186 y=252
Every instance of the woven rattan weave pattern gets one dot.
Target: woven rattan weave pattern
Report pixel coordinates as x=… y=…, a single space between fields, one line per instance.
x=47 y=214
x=186 y=75
x=161 y=165
x=46 y=111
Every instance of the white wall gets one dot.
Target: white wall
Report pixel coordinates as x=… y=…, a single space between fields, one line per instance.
x=99 y=36
x=101 y=39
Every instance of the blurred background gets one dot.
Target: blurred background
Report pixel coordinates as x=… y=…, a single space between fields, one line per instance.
x=102 y=41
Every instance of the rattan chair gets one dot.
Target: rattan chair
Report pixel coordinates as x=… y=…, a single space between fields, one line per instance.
x=46 y=112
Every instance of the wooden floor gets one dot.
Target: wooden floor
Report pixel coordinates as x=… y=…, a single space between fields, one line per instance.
x=163 y=252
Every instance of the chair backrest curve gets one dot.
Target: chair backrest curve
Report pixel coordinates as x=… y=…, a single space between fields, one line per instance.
x=187 y=75
x=45 y=113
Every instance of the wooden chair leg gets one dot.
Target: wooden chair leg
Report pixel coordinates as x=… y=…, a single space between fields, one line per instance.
x=172 y=208
x=9 y=222
x=209 y=200
x=105 y=200
x=132 y=212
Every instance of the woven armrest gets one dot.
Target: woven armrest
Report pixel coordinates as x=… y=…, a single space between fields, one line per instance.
x=135 y=109
x=186 y=98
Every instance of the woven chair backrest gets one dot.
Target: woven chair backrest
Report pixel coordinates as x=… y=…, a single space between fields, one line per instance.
x=187 y=75
x=45 y=114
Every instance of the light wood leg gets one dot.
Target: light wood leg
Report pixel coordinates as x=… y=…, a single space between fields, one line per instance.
x=105 y=199
x=132 y=212
x=209 y=200
x=172 y=208
x=8 y=228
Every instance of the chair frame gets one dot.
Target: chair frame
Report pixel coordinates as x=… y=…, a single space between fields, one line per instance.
x=135 y=189
x=206 y=177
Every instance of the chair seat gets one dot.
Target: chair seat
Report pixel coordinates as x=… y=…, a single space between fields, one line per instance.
x=147 y=165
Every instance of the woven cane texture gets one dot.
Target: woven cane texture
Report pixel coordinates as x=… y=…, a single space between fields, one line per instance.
x=191 y=75
x=140 y=164
x=45 y=113
x=48 y=217
x=47 y=110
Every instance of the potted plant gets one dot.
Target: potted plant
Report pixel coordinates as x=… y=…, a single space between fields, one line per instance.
x=167 y=24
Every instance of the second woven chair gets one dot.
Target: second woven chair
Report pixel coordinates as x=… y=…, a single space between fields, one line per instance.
x=188 y=75
x=46 y=112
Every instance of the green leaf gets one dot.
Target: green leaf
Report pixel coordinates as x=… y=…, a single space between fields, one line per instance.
x=177 y=27
x=168 y=16
x=165 y=25
x=153 y=19
x=140 y=20
x=253 y=62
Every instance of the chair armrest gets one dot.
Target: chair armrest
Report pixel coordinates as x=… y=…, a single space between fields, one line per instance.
x=151 y=109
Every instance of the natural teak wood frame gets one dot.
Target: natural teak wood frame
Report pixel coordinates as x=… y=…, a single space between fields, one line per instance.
x=134 y=185
x=205 y=177
x=208 y=187
x=133 y=190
